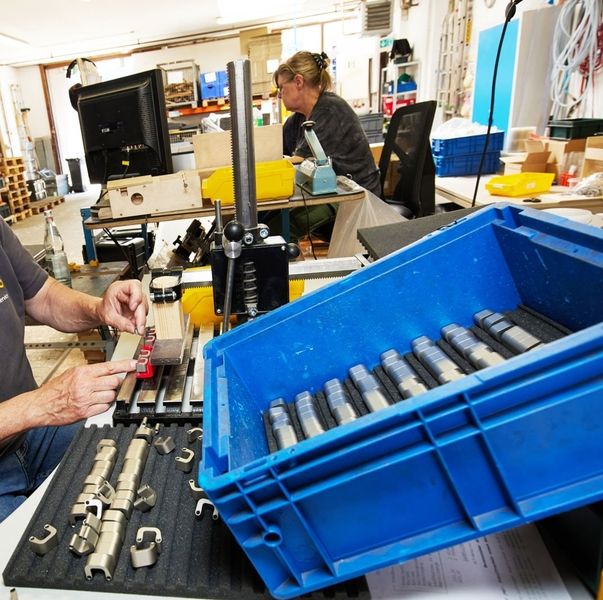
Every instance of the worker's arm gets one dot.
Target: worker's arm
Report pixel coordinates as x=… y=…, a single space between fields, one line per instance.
x=76 y=394
x=123 y=306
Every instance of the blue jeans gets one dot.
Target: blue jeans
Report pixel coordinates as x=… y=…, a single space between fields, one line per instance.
x=23 y=470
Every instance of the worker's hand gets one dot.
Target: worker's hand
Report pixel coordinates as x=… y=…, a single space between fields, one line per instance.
x=124 y=306
x=80 y=392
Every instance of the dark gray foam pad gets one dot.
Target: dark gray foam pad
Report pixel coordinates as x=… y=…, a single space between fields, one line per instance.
x=535 y=323
x=200 y=557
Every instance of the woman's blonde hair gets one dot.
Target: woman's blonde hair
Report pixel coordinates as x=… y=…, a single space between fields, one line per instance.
x=313 y=67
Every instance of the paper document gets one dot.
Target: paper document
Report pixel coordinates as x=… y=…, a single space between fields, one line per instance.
x=513 y=565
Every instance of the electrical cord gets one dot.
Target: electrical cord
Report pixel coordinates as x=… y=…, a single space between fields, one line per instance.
x=576 y=50
x=509 y=14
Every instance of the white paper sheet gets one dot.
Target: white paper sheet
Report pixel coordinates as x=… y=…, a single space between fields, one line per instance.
x=514 y=565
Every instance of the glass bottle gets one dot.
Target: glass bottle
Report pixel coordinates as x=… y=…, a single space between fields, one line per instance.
x=56 y=259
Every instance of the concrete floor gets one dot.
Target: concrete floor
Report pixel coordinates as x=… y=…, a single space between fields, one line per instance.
x=52 y=362
x=67 y=217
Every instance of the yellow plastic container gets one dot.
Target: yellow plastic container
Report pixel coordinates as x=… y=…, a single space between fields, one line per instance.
x=273 y=181
x=198 y=302
x=520 y=184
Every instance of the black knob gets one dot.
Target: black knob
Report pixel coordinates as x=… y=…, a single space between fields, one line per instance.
x=234 y=231
x=293 y=251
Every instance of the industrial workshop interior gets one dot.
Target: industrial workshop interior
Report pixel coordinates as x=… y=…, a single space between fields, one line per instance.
x=301 y=299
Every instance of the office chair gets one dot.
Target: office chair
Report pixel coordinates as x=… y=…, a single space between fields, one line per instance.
x=408 y=138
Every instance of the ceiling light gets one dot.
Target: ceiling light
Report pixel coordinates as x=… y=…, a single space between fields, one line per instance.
x=9 y=40
x=240 y=11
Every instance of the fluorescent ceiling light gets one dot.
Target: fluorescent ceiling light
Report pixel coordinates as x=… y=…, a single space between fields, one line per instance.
x=9 y=40
x=240 y=11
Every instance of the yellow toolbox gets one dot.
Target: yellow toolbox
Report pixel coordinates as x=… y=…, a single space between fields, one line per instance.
x=274 y=181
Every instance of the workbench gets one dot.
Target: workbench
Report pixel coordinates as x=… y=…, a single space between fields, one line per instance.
x=459 y=190
x=299 y=199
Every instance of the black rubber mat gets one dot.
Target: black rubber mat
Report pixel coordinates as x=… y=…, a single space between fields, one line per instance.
x=200 y=557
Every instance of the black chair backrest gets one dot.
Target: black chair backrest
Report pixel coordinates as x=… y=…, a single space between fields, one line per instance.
x=408 y=138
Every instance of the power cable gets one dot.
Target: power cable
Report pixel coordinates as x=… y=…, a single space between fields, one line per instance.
x=509 y=14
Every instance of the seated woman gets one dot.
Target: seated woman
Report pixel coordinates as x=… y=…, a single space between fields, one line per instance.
x=303 y=82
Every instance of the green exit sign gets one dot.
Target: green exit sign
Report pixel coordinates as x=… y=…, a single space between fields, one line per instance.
x=386 y=42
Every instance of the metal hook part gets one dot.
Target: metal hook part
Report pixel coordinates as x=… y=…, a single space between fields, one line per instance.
x=194 y=434
x=201 y=504
x=43 y=545
x=185 y=462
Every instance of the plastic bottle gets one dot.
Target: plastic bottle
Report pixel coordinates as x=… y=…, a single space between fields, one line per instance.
x=56 y=259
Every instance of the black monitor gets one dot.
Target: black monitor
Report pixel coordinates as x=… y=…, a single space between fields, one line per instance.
x=124 y=127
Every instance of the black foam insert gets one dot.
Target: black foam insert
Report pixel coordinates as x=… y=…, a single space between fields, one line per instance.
x=200 y=557
x=532 y=321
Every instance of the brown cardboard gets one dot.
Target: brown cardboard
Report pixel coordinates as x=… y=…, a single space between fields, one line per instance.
x=213 y=150
x=593 y=156
x=528 y=162
x=560 y=151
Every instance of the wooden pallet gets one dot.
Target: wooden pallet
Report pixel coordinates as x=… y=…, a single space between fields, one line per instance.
x=213 y=102
x=22 y=214
x=39 y=206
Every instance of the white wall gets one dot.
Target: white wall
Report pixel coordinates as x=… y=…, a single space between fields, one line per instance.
x=422 y=27
x=29 y=79
x=8 y=123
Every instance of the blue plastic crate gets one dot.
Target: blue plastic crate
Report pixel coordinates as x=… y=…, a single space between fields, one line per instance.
x=498 y=448
x=212 y=84
x=473 y=144
x=465 y=164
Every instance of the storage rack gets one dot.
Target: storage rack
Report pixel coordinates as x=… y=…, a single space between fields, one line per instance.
x=401 y=98
x=185 y=91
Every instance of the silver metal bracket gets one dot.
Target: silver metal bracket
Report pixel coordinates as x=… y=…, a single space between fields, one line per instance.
x=43 y=545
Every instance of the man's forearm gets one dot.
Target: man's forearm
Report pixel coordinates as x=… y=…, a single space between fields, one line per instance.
x=63 y=308
x=19 y=414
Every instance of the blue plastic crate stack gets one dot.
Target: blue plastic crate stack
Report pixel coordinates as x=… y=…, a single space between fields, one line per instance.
x=461 y=156
x=469 y=444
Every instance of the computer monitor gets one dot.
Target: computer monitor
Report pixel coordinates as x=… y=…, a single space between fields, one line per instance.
x=124 y=127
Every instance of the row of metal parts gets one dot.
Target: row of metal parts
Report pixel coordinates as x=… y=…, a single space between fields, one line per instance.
x=407 y=381
x=105 y=510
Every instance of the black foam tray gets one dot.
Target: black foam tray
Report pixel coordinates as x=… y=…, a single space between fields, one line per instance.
x=200 y=558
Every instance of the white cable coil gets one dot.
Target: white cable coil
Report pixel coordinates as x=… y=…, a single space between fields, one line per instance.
x=575 y=39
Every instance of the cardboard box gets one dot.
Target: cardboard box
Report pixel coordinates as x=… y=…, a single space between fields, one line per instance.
x=213 y=150
x=562 y=155
x=593 y=156
x=148 y=195
x=528 y=162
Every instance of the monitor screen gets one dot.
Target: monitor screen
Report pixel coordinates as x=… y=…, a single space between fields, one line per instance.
x=124 y=127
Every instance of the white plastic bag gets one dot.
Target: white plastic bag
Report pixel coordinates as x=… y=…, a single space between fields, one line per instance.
x=356 y=214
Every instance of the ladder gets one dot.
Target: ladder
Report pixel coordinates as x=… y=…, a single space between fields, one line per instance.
x=27 y=143
x=454 y=55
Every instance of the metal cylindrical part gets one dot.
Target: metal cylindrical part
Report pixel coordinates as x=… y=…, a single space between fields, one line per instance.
x=369 y=388
x=443 y=368
x=338 y=402
x=243 y=153
x=402 y=374
x=479 y=354
x=219 y=225
x=306 y=412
